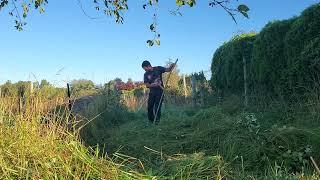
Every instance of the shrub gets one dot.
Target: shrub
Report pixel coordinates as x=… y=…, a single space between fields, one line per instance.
x=227 y=63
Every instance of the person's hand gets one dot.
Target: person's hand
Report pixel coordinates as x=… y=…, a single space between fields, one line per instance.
x=155 y=84
x=172 y=66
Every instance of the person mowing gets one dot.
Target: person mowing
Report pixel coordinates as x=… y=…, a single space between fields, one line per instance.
x=153 y=81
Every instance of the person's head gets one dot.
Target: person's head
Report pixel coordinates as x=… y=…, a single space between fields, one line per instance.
x=146 y=66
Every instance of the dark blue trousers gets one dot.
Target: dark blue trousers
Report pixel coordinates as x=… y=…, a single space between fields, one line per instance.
x=153 y=105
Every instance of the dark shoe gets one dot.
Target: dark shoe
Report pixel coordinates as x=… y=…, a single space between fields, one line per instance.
x=157 y=122
x=148 y=124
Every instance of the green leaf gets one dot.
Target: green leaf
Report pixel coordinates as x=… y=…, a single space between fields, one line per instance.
x=3 y=3
x=41 y=10
x=25 y=10
x=106 y=3
x=191 y=3
x=150 y=42
x=180 y=2
x=243 y=8
x=245 y=14
x=157 y=42
x=152 y=27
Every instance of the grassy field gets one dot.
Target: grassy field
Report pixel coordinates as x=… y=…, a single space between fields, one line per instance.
x=220 y=142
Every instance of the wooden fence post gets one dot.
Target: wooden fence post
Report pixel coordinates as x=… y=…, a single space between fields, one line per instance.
x=31 y=87
x=245 y=81
x=21 y=98
x=202 y=95
x=194 y=90
x=31 y=103
x=220 y=96
x=185 y=87
x=69 y=97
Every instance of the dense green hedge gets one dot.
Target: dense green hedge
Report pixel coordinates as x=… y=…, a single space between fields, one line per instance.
x=283 y=60
x=268 y=57
x=302 y=39
x=227 y=63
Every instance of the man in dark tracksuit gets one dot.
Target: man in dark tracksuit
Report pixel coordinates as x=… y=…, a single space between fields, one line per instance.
x=153 y=81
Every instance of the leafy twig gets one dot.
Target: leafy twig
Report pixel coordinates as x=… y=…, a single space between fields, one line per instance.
x=18 y=23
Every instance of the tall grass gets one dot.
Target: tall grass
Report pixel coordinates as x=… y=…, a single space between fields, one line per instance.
x=220 y=142
x=35 y=144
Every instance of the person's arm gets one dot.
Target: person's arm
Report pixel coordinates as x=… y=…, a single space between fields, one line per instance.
x=151 y=85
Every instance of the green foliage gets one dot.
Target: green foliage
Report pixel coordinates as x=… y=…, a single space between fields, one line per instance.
x=269 y=64
x=232 y=105
x=9 y=89
x=285 y=57
x=22 y=90
x=173 y=81
x=139 y=92
x=282 y=60
x=203 y=90
x=82 y=87
x=243 y=9
x=303 y=37
x=105 y=111
x=199 y=77
x=19 y=89
x=44 y=83
x=115 y=9
x=51 y=92
x=3 y=3
x=227 y=63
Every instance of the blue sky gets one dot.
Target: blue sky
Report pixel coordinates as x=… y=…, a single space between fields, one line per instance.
x=64 y=39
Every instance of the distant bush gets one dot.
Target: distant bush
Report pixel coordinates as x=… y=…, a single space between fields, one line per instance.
x=82 y=87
